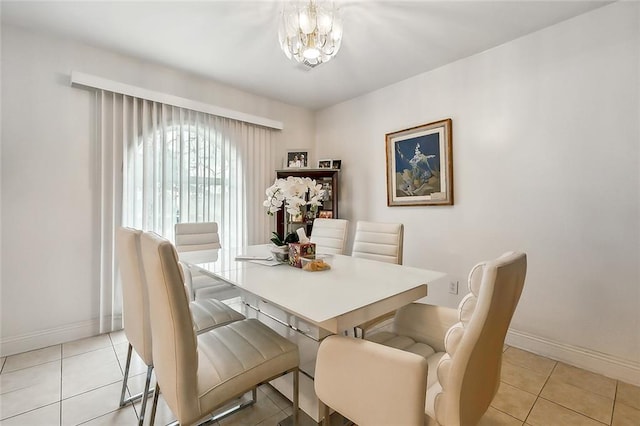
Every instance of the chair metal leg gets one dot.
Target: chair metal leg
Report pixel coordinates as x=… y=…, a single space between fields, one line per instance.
x=145 y=395
x=235 y=408
x=154 y=406
x=296 y=396
x=126 y=376
x=254 y=398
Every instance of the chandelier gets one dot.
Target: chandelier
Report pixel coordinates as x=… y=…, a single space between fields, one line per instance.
x=310 y=31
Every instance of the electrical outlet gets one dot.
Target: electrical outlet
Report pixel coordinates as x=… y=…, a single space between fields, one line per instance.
x=453 y=287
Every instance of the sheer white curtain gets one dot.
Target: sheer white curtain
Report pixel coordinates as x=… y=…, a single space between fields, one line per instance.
x=161 y=164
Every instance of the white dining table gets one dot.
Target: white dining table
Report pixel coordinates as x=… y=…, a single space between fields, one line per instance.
x=308 y=306
x=353 y=291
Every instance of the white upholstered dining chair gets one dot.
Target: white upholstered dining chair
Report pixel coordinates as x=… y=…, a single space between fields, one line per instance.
x=382 y=242
x=198 y=374
x=463 y=350
x=206 y=314
x=195 y=236
x=329 y=235
x=379 y=241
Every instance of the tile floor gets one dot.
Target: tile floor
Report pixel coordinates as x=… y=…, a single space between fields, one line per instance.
x=79 y=383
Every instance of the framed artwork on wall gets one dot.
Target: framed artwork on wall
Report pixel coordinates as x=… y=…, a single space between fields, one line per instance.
x=419 y=165
x=324 y=164
x=297 y=159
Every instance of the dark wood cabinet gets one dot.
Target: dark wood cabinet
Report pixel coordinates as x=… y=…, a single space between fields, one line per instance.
x=328 y=178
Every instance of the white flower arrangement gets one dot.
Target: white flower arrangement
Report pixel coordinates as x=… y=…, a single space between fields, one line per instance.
x=294 y=193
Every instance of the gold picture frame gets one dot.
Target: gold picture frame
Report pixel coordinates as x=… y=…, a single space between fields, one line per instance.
x=420 y=165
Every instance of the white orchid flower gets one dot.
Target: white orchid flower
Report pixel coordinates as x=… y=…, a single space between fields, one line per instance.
x=293 y=193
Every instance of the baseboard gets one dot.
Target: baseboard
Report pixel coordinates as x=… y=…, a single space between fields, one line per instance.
x=49 y=337
x=597 y=362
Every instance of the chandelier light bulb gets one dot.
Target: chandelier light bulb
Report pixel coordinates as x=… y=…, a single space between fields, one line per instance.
x=311 y=53
x=324 y=22
x=308 y=19
x=310 y=31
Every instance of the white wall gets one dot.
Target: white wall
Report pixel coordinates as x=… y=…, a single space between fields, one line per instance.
x=49 y=232
x=546 y=154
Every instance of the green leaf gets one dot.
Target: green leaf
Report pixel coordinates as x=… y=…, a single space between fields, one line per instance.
x=292 y=238
x=277 y=239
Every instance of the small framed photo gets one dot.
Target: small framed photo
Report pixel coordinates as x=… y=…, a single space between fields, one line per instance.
x=324 y=164
x=325 y=214
x=297 y=159
x=336 y=164
x=419 y=165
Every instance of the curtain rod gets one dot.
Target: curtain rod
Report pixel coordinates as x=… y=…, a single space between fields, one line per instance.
x=79 y=79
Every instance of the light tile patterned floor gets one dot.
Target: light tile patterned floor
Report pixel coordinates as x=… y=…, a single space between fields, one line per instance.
x=79 y=383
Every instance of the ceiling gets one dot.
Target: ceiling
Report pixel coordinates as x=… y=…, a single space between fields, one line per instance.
x=236 y=42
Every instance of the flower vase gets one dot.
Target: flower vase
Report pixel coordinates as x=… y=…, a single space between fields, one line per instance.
x=281 y=253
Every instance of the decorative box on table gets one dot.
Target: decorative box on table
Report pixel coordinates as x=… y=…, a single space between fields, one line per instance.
x=300 y=250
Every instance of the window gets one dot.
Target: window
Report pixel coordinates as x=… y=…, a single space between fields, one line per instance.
x=157 y=164
x=183 y=168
